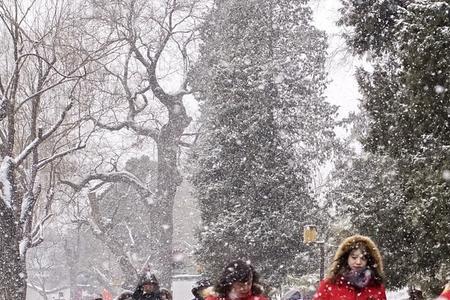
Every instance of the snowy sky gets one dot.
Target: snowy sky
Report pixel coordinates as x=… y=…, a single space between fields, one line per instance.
x=342 y=89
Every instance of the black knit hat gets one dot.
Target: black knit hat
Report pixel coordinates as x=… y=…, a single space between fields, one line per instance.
x=200 y=285
x=237 y=271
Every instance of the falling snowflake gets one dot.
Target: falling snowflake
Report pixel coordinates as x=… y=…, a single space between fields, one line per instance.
x=446 y=175
x=178 y=257
x=439 y=89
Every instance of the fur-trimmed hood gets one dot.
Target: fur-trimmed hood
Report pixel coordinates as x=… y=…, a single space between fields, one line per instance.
x=207 y=292
x=347 y=246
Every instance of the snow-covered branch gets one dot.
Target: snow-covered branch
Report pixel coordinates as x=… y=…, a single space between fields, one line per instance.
x=64 y=77
x=48 y=160
x=122 y=176
x=5 y=169
x=34 y=238
x=129 y=124
x=42 y=137
x=38 y=231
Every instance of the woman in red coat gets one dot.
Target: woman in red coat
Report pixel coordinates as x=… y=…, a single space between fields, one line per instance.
x=356 y=272
x=239 y=281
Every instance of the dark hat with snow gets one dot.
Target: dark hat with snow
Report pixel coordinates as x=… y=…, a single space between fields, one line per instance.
x=149 y=279
x=126 y=295
x=200 y=285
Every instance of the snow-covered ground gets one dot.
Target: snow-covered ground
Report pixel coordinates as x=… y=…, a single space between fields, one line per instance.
x=398 y=295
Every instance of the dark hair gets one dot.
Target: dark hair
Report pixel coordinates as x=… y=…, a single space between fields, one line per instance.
x=200 y=285
x=148 y=279
x=415 y=294
x=343 y=267
x=237 y=271
x=166 y=292
x=125 y=295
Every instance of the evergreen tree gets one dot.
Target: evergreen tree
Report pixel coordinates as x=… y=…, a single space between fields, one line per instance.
x=407 y=102
x=259 y=80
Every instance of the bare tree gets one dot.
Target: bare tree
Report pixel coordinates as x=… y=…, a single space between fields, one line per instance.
x=157 y=37
x=47 y=263
x=40 y=81
x=108 y=193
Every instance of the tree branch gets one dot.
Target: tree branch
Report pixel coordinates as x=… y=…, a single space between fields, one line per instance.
x=42 y=137
x=122 y=176
x=48 y=160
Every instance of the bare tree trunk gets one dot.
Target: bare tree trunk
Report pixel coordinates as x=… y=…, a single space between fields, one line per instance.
x=125 y=265
x=169 y=179
x=172 y=28
x=12 y=266
x=31 y=71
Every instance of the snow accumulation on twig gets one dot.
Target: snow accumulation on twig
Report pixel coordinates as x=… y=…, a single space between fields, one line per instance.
x=95 y=228
x=18 y=160
x=26 y=202
x=23 y=246
x=43 y=136
x=37 y=234
x=5 y=168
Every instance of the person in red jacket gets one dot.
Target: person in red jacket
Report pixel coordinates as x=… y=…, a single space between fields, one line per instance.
x=356 y=272
x=238 y=281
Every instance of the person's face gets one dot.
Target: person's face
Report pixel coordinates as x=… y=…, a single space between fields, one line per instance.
x=242 y=289
x=203 y=292
x=164 y=296
x=149 y=287
x=357 y=260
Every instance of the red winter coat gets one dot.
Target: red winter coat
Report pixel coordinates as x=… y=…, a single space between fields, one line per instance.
x=445 y=295
x=250 y=297
x=343 y=291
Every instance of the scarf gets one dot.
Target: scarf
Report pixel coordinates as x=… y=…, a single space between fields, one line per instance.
x=358 y=279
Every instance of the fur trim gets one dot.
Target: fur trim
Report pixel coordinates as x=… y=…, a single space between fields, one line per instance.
x=209 y=291
x=348 y=243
